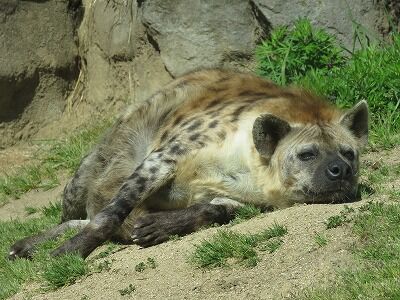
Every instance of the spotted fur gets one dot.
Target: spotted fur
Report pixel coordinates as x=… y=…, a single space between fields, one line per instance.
x=165 y=165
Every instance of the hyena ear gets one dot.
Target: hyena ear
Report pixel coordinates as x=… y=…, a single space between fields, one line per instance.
x=356 y=120
x=268 y=130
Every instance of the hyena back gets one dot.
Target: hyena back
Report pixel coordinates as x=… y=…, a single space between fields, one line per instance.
x=201 y=147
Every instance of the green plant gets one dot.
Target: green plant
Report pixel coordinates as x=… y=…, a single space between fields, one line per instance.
x=62 y=155
x=52 y=272
x=320 y=240
x=290 y=53
x=227 y=244
x=150 y=263
x=140 y=267
x=64 y=270
x=245 y=212
x=30 y=210
x=271 y=245
x=128 y=290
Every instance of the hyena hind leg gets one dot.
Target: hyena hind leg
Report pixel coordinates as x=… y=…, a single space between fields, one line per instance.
x=155 y=228
x=24 y=248
x=74 y=200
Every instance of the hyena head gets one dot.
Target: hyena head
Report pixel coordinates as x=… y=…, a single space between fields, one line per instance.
x=316 y=163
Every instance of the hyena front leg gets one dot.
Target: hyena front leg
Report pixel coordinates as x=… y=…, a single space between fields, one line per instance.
x=155 y=228
x=155 y=171
x=27 y=246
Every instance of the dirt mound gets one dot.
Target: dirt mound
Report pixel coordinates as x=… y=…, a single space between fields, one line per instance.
x=298 y=264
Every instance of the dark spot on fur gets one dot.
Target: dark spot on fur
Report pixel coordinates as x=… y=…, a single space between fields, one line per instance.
x=213 y=124
x=232 y=176
x=141 y=180
x=141 y=188
x=210 y=112
x=134 y=175
x=194 y=137
x=133 y=195
x=201 y=144
x=216 y=89
x=187 y=122
x=223 y=79
x=178 y=120
x=164 y=136
x=182 y=84
x=172 y=139
x=250 y=93
x=221 y=134
x=213 y=103
x=153 y=170
x=141 y=184
x=254 y=99
x=169 y=161
x=177 y=149
x=237 y=112
x=196 y=124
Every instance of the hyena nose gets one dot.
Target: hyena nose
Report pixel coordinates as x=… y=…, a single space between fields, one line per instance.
x=338 y=169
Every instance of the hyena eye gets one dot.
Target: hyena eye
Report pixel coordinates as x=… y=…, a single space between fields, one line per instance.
x=349 y=154
x=307 y=155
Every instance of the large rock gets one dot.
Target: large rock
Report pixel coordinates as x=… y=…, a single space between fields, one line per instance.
x=192 y=34
x=343 y=18
x=38 y=63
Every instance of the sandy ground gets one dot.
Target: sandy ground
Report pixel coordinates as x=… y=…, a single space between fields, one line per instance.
x=298 y=264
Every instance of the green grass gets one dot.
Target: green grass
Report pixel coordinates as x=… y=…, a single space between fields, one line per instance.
x=228 y=245
x=311 y=58
x=376 y=273
x=245 y=212
x=150 y=263
x=128 y=290
x=320 y=240
x=43 y=173
x=50 y=272
x=289 y=54
x=31 y=210
x=64 y=270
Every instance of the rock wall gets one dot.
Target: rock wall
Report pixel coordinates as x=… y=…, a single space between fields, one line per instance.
x=127 y=49
x=38 y=64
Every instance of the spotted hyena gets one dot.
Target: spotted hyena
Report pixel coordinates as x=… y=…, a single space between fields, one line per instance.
x=200 y=148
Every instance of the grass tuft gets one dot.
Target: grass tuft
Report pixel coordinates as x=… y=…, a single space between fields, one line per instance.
x=128 y=290
x=63 y=155
x=14 y=273
x=245 y=212
x=290 y=53
x=320 y=240
x=226 y=244
x=64 y=270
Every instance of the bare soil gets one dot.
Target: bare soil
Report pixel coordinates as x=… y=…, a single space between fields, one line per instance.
x=298 y=264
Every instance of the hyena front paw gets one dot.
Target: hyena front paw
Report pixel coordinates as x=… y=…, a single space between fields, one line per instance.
x=153 y=229
x=23 y=248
